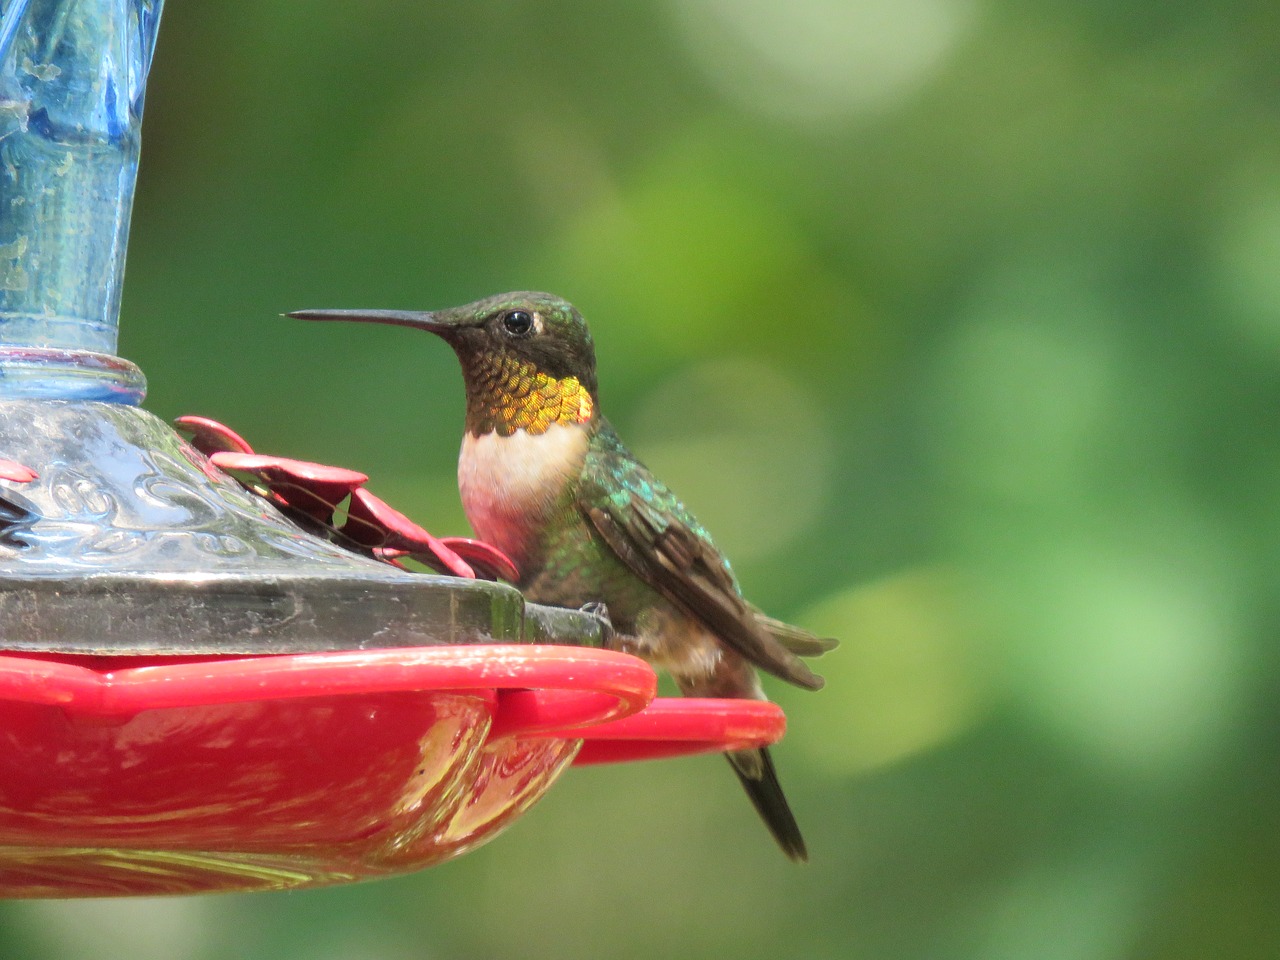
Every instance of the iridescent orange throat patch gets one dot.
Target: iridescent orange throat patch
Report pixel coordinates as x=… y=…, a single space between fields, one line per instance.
x=507 y=394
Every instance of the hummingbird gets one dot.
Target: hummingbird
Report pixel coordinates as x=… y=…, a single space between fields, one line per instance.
x=544 y=477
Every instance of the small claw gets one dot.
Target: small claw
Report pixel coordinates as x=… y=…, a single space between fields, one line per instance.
x=210 y=436
x=608 y=636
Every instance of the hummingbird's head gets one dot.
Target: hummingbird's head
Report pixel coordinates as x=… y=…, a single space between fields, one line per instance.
x=527 y=358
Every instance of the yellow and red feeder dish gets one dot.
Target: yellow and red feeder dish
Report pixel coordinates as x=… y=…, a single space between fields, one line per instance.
x=134 y=775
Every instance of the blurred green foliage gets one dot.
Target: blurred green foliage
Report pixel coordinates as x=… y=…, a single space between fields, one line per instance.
x=957 y=322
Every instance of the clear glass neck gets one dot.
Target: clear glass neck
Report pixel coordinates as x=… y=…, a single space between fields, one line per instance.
x=72 y=80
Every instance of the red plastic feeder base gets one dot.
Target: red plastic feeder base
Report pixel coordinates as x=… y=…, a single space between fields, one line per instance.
x=143 y=776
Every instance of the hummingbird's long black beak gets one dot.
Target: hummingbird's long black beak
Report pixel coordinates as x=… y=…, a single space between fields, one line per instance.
x=421 y=320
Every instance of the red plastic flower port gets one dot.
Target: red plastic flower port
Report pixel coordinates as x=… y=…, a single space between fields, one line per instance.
x=17 y=472
x=314 y=494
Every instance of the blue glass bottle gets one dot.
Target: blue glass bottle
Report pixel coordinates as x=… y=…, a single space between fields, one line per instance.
x=72 y=79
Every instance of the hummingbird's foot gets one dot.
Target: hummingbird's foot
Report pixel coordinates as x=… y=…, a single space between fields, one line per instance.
x=609 y=638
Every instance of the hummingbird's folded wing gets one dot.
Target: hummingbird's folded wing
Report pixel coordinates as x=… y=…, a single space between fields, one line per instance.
x=652 y=533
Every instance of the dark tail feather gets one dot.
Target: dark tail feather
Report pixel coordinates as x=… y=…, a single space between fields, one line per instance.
x=755 y=769
x=796 y=639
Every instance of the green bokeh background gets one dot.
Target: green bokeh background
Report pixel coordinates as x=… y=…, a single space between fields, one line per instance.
x=957 y=322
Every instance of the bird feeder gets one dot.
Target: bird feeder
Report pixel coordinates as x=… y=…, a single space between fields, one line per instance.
x=197 y=694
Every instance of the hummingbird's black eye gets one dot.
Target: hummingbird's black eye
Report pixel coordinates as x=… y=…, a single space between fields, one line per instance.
x=518 y=323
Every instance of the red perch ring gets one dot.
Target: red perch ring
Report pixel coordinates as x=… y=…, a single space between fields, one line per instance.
x=150 y=775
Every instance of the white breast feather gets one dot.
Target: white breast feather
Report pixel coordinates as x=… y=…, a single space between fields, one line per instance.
x=509 y=482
